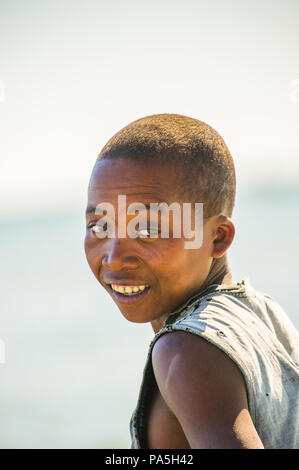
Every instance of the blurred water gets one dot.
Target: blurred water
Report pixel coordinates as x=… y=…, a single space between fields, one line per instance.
x=73 y=364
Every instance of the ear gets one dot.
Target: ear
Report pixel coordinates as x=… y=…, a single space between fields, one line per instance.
x=224 y=235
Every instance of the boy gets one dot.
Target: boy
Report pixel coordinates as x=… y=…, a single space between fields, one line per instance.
x=222 y=368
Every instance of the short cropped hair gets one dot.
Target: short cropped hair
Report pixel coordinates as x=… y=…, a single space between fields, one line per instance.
x=205 y=168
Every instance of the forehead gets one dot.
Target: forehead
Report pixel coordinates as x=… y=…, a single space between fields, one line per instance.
x=138 y=180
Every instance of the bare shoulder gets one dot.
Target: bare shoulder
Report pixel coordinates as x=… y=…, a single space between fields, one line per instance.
x=189 y=347
x=205 y=390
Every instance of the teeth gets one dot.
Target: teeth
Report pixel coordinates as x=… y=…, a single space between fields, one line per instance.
x=128 y=289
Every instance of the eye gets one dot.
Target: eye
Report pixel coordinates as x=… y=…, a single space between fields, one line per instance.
x=145 y=233
x=96 y=228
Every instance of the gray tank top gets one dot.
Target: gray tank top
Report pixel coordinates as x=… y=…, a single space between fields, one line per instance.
x=255 y=332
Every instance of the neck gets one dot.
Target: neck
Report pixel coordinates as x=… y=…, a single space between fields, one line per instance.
x=220 y=273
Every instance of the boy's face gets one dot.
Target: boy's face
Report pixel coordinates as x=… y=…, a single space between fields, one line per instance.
x=170 y=272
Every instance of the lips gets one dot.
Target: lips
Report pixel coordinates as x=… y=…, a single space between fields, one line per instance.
x=128 y=289
x=128 y=293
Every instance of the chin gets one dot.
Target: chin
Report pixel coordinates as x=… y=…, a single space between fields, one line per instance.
x=136 y=317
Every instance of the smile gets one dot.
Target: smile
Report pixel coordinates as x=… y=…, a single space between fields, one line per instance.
x=128 y=295
x=128 y=290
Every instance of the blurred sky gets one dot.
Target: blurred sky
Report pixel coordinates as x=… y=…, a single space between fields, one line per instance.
x=73 y=73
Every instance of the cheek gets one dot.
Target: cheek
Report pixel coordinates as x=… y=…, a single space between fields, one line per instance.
x=170 y=261
x=92 y=251
x=182 y=270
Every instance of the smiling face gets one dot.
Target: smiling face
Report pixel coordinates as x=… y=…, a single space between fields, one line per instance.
x=146 y=277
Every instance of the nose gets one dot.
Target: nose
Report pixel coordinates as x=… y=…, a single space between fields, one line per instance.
x=117 y=255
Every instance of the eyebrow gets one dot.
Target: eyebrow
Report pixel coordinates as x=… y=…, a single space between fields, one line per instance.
x=92 y=209
x=89 y=210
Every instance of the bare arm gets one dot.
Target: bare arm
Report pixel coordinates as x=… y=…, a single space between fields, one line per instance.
x=206 y=392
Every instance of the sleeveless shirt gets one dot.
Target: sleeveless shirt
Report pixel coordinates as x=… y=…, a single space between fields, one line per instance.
x=256 y=333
